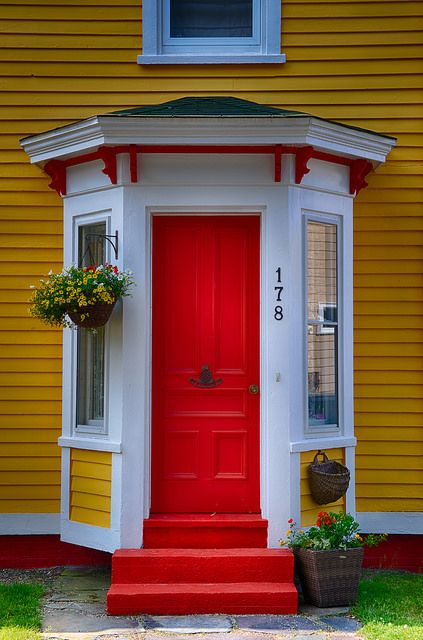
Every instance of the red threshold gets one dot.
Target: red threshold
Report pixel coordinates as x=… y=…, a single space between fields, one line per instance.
x=223 y=531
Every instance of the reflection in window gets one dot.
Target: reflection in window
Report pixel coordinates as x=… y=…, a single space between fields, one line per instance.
x=322 y=333
x=91 y=345
x=205 y=19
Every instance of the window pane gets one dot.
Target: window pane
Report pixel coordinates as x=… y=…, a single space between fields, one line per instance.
x=322 y=377
x=321 y=271
x=91 y=377
x=91 y=244
x=91 y=345
x=206 y=19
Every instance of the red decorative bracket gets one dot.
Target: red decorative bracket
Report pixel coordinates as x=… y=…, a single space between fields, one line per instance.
x=302 y=156
x=358 y=172
x=56 y=169
x=278 y=162
x=133 y=162
x=108 y=155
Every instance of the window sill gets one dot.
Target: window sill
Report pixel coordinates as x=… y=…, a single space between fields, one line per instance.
x=92 y=444
x=328 y=442
x=212 y=59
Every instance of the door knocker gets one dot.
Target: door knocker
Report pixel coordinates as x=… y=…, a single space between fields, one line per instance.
x=205 y=379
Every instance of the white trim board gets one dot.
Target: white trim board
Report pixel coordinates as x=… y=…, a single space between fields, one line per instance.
x=401 y=522
x=24 y=524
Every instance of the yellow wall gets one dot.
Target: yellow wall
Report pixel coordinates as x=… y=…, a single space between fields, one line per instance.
x=310 y=508
x=355 y=61
x=90 y=487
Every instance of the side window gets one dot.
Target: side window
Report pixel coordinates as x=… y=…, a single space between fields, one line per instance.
x=91 y=374
x=195 y=31
x=322 y=326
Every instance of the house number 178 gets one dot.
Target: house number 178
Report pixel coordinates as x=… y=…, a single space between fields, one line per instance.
x=278 y=311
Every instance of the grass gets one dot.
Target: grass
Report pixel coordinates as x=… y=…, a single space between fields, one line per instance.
x=390 y=605
x=20 y=611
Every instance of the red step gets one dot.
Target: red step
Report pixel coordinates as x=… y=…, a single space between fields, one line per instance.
x=201 y=565
x=186 y=581
x=189 y=598
x=223 y=531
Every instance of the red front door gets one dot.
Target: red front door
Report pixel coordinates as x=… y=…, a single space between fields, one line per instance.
x=205 y=443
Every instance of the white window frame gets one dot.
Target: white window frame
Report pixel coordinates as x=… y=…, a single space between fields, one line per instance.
x=312 y=431
x=262 y=47
x=92 y=427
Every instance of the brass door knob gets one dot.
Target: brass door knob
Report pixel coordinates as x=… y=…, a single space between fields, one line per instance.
x=253 y=388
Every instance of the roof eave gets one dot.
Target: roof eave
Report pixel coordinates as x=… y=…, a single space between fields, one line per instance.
x=327 y=136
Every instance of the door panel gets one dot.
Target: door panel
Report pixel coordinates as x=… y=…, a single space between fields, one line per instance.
x=205 y=443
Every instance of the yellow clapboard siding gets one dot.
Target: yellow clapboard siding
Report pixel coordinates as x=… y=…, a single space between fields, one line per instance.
x=389 y=448
x=354 y=61
x=21 y=421
x=29 y=379
x=29 y=450
x=29 y=464
x=49 y=369
x=397 y=322
x=388 y=391
x=89 y=516
x=388 y=335
x=393 y=434
x=88 y=501
x=382 y=419
x=30 y=506
x=40 y=477
x=90 y=470
x=31 y=393
x=350 y=9
x=94 y=457
x=389 y=504
x=392 y=490
x=90 y=487
x=389 y=377
x=389 y=477
x=392 y=405
x=39 y=492
x=29 y=435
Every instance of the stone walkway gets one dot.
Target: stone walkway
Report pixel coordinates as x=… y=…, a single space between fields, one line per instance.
x=75 y=610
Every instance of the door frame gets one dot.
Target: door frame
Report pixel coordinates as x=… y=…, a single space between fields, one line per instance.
x=270 y=474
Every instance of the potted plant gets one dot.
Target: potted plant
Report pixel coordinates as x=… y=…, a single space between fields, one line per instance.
x=80 y=296
x=328 y=558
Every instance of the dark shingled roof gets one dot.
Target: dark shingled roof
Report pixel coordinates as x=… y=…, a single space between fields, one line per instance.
x=209 y=106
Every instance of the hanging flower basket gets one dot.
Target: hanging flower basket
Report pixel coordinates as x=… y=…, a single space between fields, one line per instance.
x=329 y=480
x=80 y=296
x=93 y=315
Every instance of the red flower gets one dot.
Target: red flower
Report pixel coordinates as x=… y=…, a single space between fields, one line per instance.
x=290 y=521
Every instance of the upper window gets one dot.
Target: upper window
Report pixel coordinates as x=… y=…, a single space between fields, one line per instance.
x=322 y=326
x=195 y=31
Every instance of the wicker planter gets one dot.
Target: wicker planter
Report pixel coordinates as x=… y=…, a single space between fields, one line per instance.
x=329 y=578
x=98 y=315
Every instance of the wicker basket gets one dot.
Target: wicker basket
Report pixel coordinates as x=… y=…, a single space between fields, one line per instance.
x=329 y=578
x=329 y=479
x=98 y=315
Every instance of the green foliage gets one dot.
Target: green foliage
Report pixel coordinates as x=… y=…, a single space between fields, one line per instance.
x=332 y=531
x=20 y=611
x=74 y=289
x=390 y=604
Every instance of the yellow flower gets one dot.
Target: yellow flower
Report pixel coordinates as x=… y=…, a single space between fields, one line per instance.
x=288 y=533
